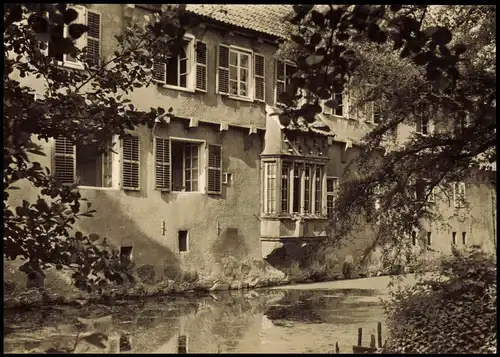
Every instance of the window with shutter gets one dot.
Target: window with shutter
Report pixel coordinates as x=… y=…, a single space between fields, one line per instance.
x=201 y=66
x=130 y=163
x=162 y=160
x=160 y=72
x=214 y=175
x=223 y=71
x=64 y=161
x=94 y=38
x=283 y=72
x=259 y=75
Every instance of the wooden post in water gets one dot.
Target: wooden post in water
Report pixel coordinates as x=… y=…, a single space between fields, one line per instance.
x=337 y=349
x=360 y=336
x=372 y=341
x=379 y=334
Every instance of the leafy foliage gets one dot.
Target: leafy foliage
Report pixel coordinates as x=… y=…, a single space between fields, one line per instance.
x=415 y=62
x=85 y=105
x=452 y=312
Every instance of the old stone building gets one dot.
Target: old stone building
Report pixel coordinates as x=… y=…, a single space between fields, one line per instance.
x=223 y=177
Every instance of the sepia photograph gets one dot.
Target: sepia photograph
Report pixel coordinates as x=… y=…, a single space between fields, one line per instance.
x=249 y=178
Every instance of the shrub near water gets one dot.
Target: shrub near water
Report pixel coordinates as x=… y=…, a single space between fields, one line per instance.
x=451 y=313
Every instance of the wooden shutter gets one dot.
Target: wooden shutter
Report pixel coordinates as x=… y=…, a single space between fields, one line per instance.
x=80 y=43
x=280 y=79
x=214 y=175
x=160 y=72
x=201 y=66
x=259 y=75
x=130 y=163
x=223 y=72
x=162 y=164
x=65 y=161
x=94 y=38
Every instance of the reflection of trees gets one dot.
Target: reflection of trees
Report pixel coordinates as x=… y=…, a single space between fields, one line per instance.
x=320 y=306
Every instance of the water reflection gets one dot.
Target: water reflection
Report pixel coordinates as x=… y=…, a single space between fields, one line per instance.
x=255 y=321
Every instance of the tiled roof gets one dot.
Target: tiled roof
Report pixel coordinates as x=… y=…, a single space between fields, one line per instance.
x=268 y=19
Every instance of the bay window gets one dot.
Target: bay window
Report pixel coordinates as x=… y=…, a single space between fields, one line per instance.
x=331 y=187
x=291 y=188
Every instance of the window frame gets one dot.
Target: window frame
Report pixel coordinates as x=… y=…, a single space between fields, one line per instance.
x=331 y=194
x=201 y=171
x=191 y=64
x=114 y=161
x=80 y=42
x=285 y=80
x=456 y=201
x=250 y=85
x=329 y=111
x=269 y=206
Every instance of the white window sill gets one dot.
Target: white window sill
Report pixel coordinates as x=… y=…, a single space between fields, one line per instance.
x=243 y=99
x=189 y=192
x=421 y=134
x=181 y=89
x=71 y=65
x=98 y=188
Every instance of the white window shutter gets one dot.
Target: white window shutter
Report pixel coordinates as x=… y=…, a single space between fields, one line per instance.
x=131 y=163
x=94 y=38
x=214 y=169
x=280 y=79
x=81 y=42
x=259 y=77
x=160 y=72
x=162 y=165
x=201 y=66
x=223 y=70
x=65 y=161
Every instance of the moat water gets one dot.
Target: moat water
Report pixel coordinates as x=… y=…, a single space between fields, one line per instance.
x=260 y=321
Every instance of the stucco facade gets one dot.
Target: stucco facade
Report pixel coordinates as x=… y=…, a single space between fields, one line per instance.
x=234 y=221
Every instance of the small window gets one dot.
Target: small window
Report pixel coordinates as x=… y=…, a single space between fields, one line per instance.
x=284 y=72
x=454 y=238
x=464 y=238
x=377 y=115
x=227 y=178
x=414 y=238
x=182 y=344
x=183 y=240
x=126 y=254
x=429 y=238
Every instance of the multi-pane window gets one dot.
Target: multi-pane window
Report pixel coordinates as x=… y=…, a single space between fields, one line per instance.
x=331 y=187
x=307 y=188
x=91 y=39
x=175 y=71
x=82 y=164
x=339 y=110
x=422 y=125
x=177 y=166
x=285 y=191
x=459 y=198
x=239 y=73
x=191 y=167
x=269 y=187
x=318 y=190
x=185 y=166
x=297 y=187
x=284 y=72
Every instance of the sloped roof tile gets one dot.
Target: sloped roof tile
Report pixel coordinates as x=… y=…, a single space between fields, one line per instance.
x=268 y=19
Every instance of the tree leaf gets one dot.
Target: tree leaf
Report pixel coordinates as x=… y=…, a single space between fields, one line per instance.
x=70 y=15
x=314 y=60
x=77 y=30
